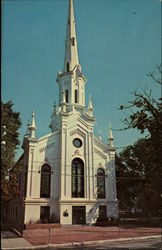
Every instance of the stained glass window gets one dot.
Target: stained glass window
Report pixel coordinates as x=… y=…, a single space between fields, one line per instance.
x=77 y=178
x=100 y=183
x=45 y=181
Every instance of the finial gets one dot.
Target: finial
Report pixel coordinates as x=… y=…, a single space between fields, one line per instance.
x=32 y=127
x=110 y=138
x=90 y=107
x=63 y=103
x=99 y=132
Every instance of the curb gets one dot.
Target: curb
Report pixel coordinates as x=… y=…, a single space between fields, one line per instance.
x=86 y=243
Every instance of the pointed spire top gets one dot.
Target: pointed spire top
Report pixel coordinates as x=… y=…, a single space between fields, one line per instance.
x=110 y=132
x=32 y=127
x=110 y=138
x=90 y=106
x=99 y=132
x=63 y=103
x=71 y=51
x=63 y=96
x=33 y=119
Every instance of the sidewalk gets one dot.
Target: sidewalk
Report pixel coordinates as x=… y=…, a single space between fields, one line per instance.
x=21 y=243
x=70 y=236
x=85 y=233
x=17 y=243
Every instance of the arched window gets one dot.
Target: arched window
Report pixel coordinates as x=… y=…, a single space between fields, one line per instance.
x=45 y=181
x=77 y=178
x=100 y=183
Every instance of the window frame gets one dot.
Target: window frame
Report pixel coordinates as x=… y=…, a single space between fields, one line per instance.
x=45 y=176
x=101 y=191
x=77 y=178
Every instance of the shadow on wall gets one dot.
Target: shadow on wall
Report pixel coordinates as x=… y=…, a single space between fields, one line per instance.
x=93 y=214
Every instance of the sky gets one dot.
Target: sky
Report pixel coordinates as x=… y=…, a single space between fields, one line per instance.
x=119 y=43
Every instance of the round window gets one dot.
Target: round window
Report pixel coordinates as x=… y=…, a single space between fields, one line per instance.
x=77 y=143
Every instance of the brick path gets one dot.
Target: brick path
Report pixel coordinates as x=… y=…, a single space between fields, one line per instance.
x=85 y=233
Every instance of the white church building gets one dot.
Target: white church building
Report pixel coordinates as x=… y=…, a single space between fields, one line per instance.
x=69 y=174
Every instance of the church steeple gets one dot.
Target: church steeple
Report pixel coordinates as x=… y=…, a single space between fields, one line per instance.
x=71 y=79
x=71 y=51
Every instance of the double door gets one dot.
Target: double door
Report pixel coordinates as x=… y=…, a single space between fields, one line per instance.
x=78 y=215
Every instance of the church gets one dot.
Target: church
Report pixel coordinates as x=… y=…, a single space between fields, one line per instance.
x=69 y=174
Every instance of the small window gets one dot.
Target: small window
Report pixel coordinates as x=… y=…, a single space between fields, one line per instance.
x=77 y=142
x=68 y=67
x=76 y=96
x=66 y=95
x=73 y=41
x=69 y=22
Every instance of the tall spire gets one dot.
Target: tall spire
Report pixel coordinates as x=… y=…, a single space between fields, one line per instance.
x=71 y=51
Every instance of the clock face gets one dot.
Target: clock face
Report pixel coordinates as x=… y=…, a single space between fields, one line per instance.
x=77 y=143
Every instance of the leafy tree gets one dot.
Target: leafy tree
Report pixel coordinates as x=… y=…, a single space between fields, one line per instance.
x=134 y=177
x=11 y=120
x=144 y=158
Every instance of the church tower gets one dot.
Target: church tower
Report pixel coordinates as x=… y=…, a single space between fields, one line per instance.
x=70 y=173
x=71 y=81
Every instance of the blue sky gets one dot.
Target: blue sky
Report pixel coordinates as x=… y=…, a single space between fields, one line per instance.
x=118 y=41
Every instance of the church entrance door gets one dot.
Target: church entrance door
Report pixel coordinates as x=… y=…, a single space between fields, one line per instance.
x=79 y=215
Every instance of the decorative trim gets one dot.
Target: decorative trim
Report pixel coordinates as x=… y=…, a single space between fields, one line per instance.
x=100 y=153
x=46 y=147
x=77 y=131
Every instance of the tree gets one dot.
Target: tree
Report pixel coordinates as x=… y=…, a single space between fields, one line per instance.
x=134 y=177
x=11 y=120
x=146 y=116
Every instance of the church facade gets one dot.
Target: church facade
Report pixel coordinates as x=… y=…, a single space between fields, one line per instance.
x=69 y=174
